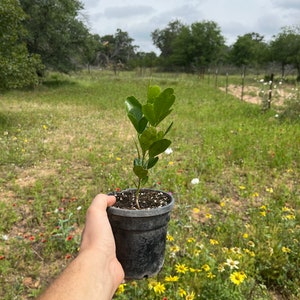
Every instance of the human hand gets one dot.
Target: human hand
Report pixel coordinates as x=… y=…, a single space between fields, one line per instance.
x=98 y=239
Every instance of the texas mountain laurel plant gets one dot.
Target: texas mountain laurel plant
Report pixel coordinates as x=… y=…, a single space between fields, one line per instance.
x=150 y=140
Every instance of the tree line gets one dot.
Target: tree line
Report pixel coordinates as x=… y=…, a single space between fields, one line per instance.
x=36 y=36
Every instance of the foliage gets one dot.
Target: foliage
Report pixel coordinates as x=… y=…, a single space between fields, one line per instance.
x=249 y=49
x=233 y=171
x=151 y=140
x=55 y=32
x=17 y=67
x=285 y=48
x=200 y=44
x=117 y=48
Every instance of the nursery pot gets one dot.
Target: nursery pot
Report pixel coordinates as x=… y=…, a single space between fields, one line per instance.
x=140 y=236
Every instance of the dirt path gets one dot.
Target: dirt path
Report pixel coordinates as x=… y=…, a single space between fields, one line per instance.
x=255 y=95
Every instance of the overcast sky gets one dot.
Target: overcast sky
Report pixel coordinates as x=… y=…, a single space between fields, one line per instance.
x=235 y=17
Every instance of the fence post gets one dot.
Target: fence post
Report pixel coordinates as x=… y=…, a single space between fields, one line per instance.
x=270 y=90
x=243 y=83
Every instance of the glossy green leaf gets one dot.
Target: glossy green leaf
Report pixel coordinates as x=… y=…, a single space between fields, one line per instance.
x=159 y=147
x=135 y=114
x=152 y=162
x=160 y=107
x=140 y=172
x=153 y=92
x=147 y=138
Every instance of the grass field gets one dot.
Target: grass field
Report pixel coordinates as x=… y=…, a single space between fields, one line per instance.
x=234 y=234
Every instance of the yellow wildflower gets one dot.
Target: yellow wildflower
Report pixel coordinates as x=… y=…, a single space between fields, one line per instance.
x=170 y=238
x=151 y=284
x=213 y=242
x=269 y=190
x=190 y=296
x=159 y=288
x=211 y=275
x=208 y=216
x=121 y=289
x=174 y=249
x=237 y=277
x=171 y=278
x=192 y=270
x=286 y=249
x=181 y=268
x=196 y=210
x=181 y=292
x=206 y=267
x=191 y=240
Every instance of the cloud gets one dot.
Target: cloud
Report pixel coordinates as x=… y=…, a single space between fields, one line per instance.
x=118 y=12
x=269 y=24
x=287 y=4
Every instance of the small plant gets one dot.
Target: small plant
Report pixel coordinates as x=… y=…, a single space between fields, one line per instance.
x=151 y=140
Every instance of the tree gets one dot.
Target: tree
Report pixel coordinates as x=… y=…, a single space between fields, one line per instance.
x=285 y=48
x=164 y=40
x=55 y=32
x=17 y=67
x=92 y=47
x=249 y=49
x=117 y=48
x=200 y=44
x=208 y=43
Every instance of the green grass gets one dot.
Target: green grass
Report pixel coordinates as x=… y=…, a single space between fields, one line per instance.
x=69 y=139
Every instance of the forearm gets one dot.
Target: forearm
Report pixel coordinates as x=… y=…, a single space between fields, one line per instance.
x=89 y=276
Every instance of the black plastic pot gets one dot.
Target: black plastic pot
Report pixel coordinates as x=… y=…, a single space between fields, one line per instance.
x=140 y=237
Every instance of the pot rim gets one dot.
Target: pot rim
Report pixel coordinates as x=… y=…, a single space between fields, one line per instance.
x=145 y=212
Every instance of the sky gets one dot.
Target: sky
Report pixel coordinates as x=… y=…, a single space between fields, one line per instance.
x=234 y=17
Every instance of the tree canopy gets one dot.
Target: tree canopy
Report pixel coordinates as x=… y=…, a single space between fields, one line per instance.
x=55 y=32
x=18 y=68
x=285 y=48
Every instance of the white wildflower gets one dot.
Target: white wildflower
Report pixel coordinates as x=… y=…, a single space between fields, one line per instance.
x=168 y=151
x=195 y=181
x=232 y=264
x=5 y=237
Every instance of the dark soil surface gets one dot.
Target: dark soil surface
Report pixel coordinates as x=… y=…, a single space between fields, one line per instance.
x=147 y=199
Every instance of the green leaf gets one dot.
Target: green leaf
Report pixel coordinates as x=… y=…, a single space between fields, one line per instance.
x=147 y=138
x=153 y=92
x=159 y=147
x=163 y=104
x=152 y=162
x=157 y=110
x=140 y=172
x=135 y=114
x=168 y=129
x=148 y=111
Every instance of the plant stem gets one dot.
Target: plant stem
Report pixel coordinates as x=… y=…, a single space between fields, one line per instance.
x=137 y=194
